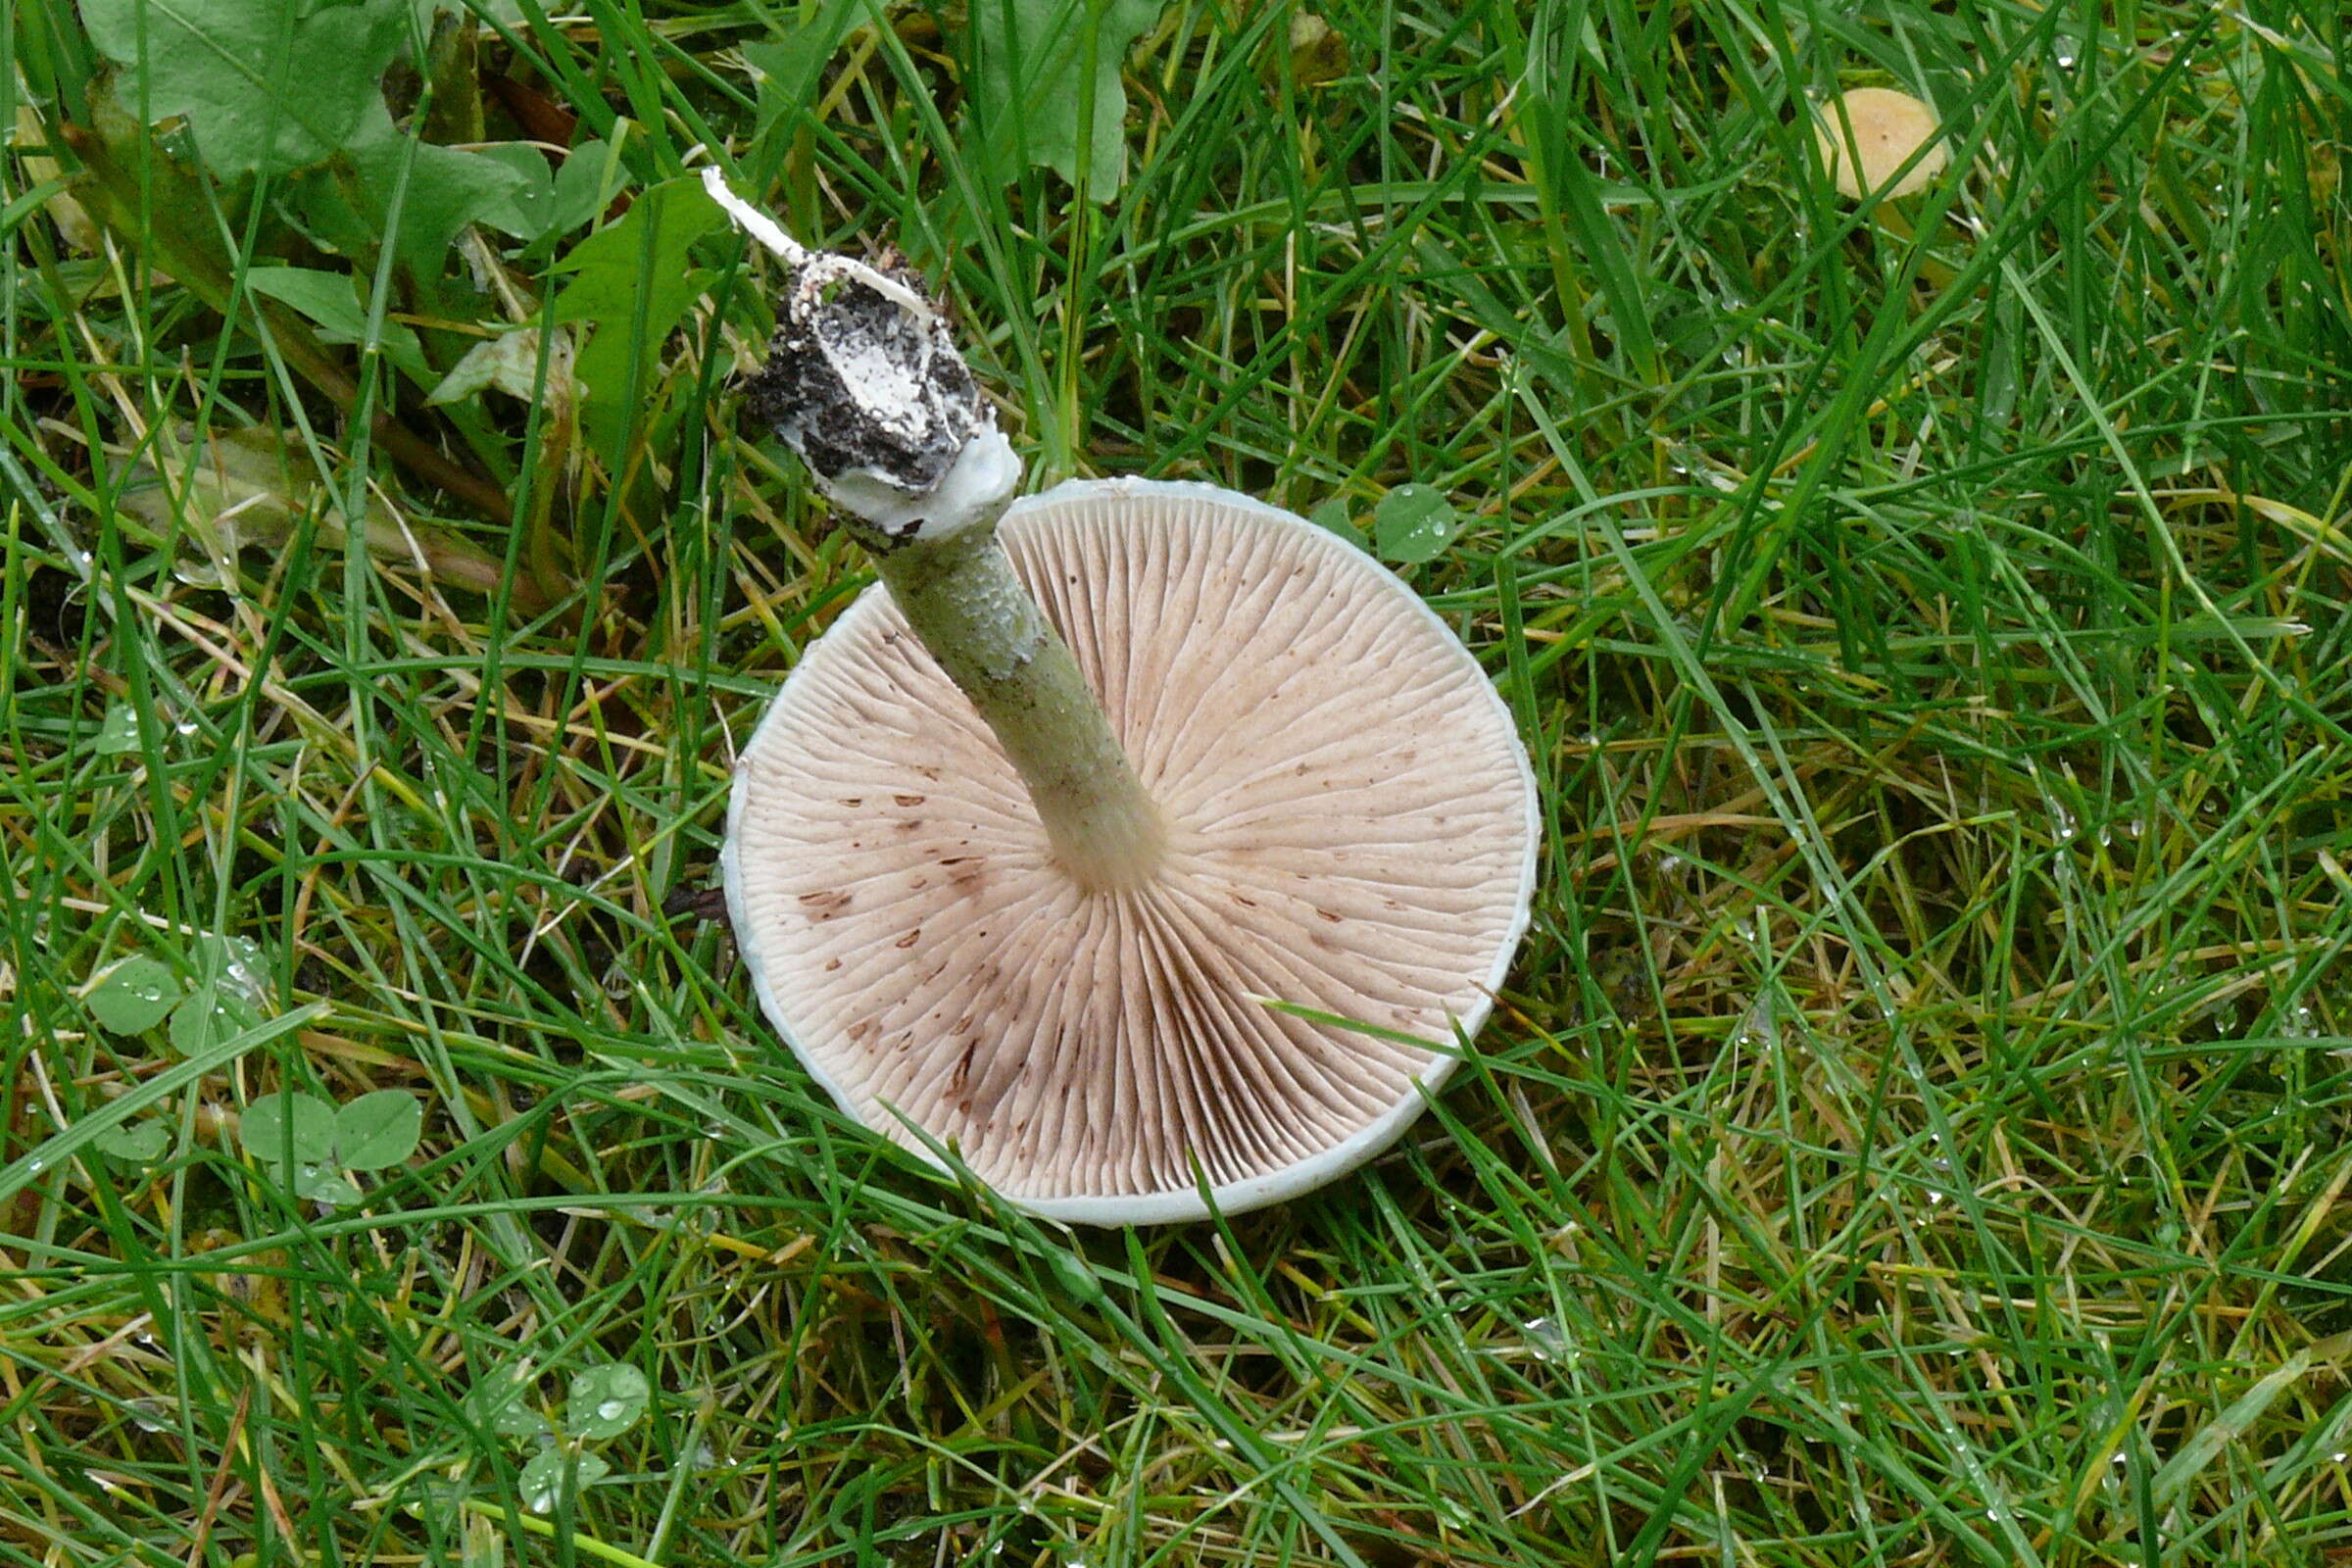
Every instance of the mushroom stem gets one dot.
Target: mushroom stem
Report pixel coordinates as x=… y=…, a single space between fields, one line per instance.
x=960 y=595
x=863 y=380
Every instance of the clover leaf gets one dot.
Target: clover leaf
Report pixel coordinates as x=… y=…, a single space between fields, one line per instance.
x=372 y=1132
x=135 y=995
x=1413 y=523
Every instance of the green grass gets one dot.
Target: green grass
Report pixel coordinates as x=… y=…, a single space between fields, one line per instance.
x=1915 y=1131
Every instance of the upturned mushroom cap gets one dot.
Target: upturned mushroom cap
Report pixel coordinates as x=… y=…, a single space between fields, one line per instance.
x=1350 y=829
x=1887 y=126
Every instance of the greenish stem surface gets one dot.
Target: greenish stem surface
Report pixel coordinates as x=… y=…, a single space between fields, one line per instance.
x=960 y=596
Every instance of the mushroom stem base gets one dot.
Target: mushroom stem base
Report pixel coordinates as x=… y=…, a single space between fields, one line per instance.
x=960 y=595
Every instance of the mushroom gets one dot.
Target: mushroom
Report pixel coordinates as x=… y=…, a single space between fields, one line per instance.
x=1884 y=128
x=1145 y=845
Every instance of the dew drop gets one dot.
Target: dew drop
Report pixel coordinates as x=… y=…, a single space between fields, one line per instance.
x=1545 y=1339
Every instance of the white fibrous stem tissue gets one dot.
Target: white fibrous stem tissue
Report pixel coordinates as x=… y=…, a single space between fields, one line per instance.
x=865 y=381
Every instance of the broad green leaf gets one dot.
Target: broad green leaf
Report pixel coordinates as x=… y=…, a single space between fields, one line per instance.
x=584 y=182
x=330 y=300
x=606 y=1402
x=543 y=1481
x=498 y=1403
x=348 y=206
x=135 y=995
x=448 y=189
x=265 y=1126
x=323 y=1184
x=266 y=85
x=633 y=280
x=118 y=731
x=235 y=962
x=1034 y=87
x=643 y=254
x=377 y=1129
x=1413 y=523
x=528 y=205
x=210 y=1014
x=137 y=1143
x=786 y=68
x=1335 y=516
